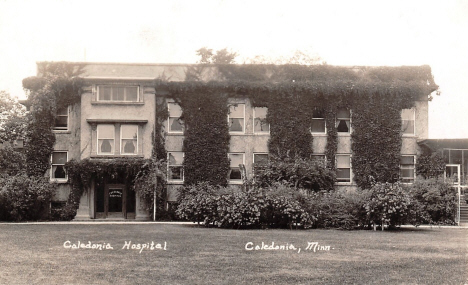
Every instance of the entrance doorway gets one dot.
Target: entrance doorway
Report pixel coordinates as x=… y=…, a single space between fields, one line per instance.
x=115 y=201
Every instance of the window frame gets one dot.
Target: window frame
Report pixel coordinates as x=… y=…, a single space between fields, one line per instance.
x=67 y=128
x=350 y=169
x=117 y=86
x=175 y=181
x=235 y=181
x=243 y=118
x=169 y=120
x=98 y=151
x=413 y=167
x=337 y=119
x=254 y=121
x=121 y=138
x=414 y=122
x=323 y=157
x=58 y=180
x=324 y=121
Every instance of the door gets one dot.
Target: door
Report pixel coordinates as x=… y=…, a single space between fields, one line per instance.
x=115 y=201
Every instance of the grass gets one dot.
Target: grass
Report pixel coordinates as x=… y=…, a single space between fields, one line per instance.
x=34 y=254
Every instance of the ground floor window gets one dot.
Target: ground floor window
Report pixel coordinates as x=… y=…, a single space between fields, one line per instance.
x=175 y=168
x=407 y=168
x=236 y=159
x=57 y=171
x=343 y=168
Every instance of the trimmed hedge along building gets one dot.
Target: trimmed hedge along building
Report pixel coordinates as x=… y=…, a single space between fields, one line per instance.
x=99 y=125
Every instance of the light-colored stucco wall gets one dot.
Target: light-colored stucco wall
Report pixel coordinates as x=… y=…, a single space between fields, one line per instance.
x=92 y=110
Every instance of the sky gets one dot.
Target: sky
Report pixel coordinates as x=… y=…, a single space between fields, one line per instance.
x=357 y=32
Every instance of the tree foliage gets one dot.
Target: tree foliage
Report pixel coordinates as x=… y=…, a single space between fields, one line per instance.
x=222 y=56
x=13 y=118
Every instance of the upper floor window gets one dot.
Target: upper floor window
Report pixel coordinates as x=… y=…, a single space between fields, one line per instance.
x=407 y=169
x=407 y=121
x=343 y=168
x=343 y=121
x=129 y=139
x=175 y=123
x=260 y=123
x=236 y=118
x=319 y=158
x=175 y=168
x=318 y=122
x=61 y=120
x=118 y=93
x=105 y=139
x=57 y=171
x=236 y=160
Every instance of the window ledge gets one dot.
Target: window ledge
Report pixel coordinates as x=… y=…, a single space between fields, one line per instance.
x=58 y=181
x=261 y=134
x=116 y=156
x=233 y=182
x=409 y=136
x=117 y=103
x=319 y=134
x=175 y=134
x=175 y=182
x=61 y=131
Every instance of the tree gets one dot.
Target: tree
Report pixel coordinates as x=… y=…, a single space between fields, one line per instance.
x=304 y=57
x=222 y=56
x=12 y=118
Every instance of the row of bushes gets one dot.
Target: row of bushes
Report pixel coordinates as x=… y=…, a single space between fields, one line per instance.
x=426 y=201
x=25 y=198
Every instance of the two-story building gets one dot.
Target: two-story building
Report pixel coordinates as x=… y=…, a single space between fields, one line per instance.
x=116 y=118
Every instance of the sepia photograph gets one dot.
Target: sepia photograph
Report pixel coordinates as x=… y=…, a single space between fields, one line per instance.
x=233 y=142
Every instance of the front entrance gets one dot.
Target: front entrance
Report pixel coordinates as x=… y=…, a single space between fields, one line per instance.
x=115 y=201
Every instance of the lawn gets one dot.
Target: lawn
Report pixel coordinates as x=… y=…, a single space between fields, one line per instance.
x=36 y=254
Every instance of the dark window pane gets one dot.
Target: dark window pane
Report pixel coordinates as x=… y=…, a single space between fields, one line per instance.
x=104 y=93
x=118 y=93
x=343 y=174
x=175 y=125
x=132 y=94
x=261 y=158
x=59 y=158
x=343 y=126
x=318 y=126
x=176 y=172
x=407 y=159
x=318 y=113
x=235 y=174
x=343 y=114
x=58 y=171
x=456 y=156
x=61 y=122
x=62 y=112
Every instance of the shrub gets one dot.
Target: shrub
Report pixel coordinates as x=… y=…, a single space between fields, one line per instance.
x=434 y=200
x=388 y=204
x=344 y=210
x=298 y=173
x=26 y=198
x=12 y=162
x=234 y=207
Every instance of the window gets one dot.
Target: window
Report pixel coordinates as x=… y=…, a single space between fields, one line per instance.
x=57 y=171
x=105 y=139
x=236 y=118
x=118 y=93
x=318 y=122
x=129 y=139
x=260 y=123
x=175 y=168
x=61 y=120
x=235 y=171
x=260 y=158
x=407 y=168
x=319 y=158
x=175 y=123
x=343 y=168
x=343 y=121
x=407 y=121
